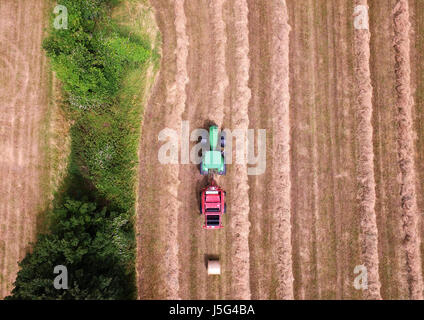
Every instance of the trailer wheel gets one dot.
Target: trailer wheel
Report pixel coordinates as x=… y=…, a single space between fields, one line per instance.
x=225 y=207
x=200 y=203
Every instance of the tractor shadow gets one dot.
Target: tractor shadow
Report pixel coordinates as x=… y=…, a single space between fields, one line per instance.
x=208 y=123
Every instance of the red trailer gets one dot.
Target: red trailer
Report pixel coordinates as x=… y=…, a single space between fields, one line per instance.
x=212 y=206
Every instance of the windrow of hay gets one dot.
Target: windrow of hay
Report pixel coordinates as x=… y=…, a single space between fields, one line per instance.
x=220 y=74
x=281 y=184
x=410 y=214
x=240 y=208
x=365 y=171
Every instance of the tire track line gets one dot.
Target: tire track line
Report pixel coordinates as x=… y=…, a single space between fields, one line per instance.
x=151 y=222
x=296 y=65
x=196 y=242
x=315 y=187
x=37 y=153
x=404 y=104
x=331 y=104
x=346 y=125
x=9 y=105
x=11 y=179
x=228 y=14
x=28 y=148
x=260 y=241
x=340 y=165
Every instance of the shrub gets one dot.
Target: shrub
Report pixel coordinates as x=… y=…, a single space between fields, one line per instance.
x=90 y=57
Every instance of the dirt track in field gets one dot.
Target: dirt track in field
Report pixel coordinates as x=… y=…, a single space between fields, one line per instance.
x=342 y=182
x=23 y=103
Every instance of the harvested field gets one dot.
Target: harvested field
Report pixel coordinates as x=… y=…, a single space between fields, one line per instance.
x=344 y=180
x=344 y=165
x=24 y=94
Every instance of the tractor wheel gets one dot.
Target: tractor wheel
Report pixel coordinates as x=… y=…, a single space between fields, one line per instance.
x=223 y=172
x=222 y=140
x=203 y=172
x=200 y=203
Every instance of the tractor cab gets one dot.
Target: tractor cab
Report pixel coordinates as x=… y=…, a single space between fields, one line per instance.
x=212 y=206
x=213 y=159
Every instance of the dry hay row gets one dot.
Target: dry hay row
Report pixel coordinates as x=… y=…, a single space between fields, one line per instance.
x=176 y=99
x=404 y=104
x=281 y=183
x=365 y=174
x=220 y=74
x=220 y=81
x=240 y=209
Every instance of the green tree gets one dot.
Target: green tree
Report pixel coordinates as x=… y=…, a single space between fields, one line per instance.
x=92 y=244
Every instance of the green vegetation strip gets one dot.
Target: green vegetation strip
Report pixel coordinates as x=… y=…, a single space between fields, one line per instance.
x=102 y=65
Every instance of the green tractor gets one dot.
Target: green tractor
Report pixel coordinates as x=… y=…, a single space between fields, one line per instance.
x=213 y=160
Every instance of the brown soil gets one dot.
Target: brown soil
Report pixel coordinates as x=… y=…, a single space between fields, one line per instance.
x=23 y=105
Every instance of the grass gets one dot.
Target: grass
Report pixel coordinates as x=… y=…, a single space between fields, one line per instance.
x=54 y=140
x=137 y=17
